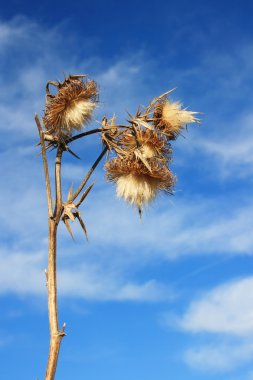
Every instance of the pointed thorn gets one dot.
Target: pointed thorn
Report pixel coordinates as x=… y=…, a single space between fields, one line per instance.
x=70 y=193
x=66 y=222
x=73 y=153
x=84 y=195
x=62 y=332
x=82 y=224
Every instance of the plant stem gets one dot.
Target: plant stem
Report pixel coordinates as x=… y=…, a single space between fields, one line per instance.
x=54 y=217
x=45 y=164
x=55 y=334
x=58 y=191
x=91 y=132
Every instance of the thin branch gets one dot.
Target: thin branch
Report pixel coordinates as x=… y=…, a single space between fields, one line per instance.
x=92 y=131
x=45 y=164
x=55 y=139
x=84 y=195
x=58 y=188
x=86 y=178
x=96 y=130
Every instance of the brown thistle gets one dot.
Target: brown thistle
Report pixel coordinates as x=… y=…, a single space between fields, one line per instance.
x=72 y=106
x=137 y=184
x=170 y=118
x=150 y=144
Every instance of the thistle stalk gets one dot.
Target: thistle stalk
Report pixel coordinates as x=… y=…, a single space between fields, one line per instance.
x=55 y=335
x=54 y=217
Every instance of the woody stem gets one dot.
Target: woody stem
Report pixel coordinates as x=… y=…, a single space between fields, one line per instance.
x=56 y=335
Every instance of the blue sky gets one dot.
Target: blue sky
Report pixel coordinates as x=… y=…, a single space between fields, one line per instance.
x=170 y=297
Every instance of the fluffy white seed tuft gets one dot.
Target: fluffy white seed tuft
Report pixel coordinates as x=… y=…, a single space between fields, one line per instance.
x=78 y=114
x=174 y=115
x=137 y=189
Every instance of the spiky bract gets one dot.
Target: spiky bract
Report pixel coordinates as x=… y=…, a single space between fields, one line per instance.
x=150 y=143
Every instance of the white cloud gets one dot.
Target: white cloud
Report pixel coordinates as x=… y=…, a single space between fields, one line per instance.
x=223 y=357
x=187 y=227
x=23 y=274
x=14 y=30
x=123 y=86
x=91 y=282
x=230 y=151
x=226 y=313
x=226 y=309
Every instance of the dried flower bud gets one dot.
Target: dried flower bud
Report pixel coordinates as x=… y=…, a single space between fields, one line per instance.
x=135 y=183
x=149 y=142
x=72 y=107
x=170 y=118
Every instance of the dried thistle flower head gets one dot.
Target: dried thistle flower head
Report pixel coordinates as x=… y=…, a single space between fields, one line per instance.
x=72 y=106
x=149 y=142
x=135 y=183
x=170 y=118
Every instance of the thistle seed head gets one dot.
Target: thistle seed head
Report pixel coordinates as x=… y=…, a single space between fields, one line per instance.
x=150 y=143
x=135 y=183
x=170 y=118
x=72 y=106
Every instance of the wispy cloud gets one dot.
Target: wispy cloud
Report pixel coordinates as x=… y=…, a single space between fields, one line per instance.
x=226 y=309
x=23 y=274
x=224 y=313
x=222 y=357
x=93 y=283
x=227 y=154
x=185 y=227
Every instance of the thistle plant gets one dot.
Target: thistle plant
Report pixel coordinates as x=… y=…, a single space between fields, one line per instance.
x=137 y=157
